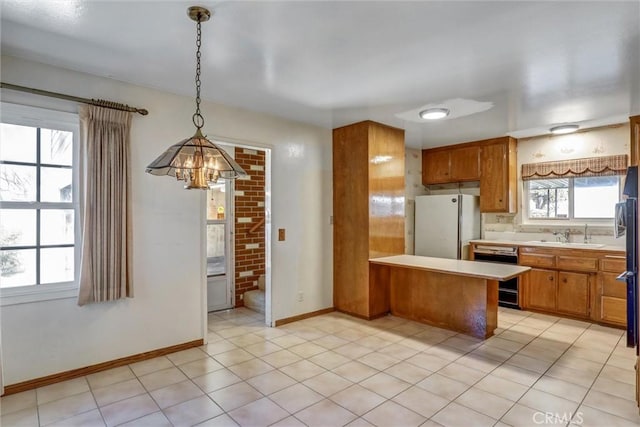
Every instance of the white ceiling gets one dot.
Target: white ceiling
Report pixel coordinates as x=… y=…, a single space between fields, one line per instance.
x=502 y=67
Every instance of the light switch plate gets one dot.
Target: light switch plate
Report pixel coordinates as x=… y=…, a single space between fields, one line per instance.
x=281 y=234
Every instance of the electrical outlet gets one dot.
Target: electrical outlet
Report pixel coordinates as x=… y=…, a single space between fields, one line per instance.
x=281 y=234
x=300 y=296
x=241 y=297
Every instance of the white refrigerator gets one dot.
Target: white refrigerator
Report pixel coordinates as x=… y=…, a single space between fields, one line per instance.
x=445 y=223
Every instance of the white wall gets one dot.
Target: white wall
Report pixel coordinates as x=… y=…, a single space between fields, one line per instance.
x=47 y=337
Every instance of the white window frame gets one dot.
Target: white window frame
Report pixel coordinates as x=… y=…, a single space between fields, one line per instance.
x=571 y=220
x=49 y=119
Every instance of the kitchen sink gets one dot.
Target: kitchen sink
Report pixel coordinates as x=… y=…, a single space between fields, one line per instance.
x=565 y=245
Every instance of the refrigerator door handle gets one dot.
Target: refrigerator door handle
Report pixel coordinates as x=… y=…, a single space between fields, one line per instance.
x=623 y=277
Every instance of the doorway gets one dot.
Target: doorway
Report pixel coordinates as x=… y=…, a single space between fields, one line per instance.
x=220 y=266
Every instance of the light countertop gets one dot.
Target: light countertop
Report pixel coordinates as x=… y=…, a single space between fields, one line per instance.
x=483 y=270
x=550 y=244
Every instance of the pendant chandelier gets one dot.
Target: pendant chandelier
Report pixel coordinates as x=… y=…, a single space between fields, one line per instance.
x=196 y=160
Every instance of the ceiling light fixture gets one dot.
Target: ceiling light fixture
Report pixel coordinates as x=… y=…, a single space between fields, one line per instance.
x=562 y=129
x=434 y=113
x=196 y=160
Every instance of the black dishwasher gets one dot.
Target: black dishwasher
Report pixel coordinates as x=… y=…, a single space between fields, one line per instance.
x=507 y=290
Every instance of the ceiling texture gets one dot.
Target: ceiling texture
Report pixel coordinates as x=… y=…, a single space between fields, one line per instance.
x=503 y=67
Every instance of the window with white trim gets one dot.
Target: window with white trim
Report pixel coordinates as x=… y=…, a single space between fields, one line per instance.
x=585 y=189
x=39 y=223
x=579 y=198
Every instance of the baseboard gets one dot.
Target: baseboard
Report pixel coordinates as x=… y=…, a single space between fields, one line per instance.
x=87 y=370
x=286 y=320
x=360 y=316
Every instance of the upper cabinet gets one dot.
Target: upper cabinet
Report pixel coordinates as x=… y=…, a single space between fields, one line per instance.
x=499 y=170
x=491 y=161
x=448 y=164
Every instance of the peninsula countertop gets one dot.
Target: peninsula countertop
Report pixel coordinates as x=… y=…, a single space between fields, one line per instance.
x=479 y=269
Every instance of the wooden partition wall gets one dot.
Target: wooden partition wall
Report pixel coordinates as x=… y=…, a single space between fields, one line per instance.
x=368 y=211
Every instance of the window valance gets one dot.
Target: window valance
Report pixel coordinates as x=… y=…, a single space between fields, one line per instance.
x=591 y=166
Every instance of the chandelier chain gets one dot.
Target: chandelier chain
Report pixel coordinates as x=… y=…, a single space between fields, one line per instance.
x=198 y=120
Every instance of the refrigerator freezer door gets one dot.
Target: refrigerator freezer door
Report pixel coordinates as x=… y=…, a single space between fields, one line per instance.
x=436 y=226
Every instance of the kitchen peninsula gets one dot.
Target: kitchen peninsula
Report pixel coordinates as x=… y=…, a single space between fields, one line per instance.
x=454 y=294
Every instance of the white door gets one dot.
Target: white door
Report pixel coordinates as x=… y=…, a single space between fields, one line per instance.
x=220 y=270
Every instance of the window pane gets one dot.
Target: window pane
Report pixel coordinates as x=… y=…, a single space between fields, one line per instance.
x=216 y=203
x=595 y=197
x=18 y=143
x=56 y=265
x=56 y=185
x=17 y=183
x=56 y=147
x=17 y=227
x=215 y=249
x=56 y=226
x=549 y=198
x=17 y=268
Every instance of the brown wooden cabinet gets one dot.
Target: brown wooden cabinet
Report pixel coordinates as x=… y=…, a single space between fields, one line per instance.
x=498 y=191
x=542 y=287
x=574 y=282
x=465 y=163
x=491 y=161
x=611 y=294
x=368 y=212
x=451 y=164
x=573 y=293
x=436 y=167
x=562 y=281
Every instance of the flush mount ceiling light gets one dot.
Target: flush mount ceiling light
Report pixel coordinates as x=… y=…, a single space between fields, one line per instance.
x=434 y=113
x=196 y=160
x=562 y=129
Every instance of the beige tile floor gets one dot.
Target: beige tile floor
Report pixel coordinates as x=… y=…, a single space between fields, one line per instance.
x=335 y=370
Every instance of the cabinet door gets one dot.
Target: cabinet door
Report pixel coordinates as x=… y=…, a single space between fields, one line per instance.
x=573 y=293
x=612 y=299
x=494 y=185
x=435 y=167
x=542 y=289
x=465 y=164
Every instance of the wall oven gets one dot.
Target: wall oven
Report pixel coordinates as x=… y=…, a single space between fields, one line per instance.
x=508 y=289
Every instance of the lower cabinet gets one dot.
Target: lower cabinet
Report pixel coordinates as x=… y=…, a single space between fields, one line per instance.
x=542 y=289
x=558 y=291
x=573 y=293
x=612 y=296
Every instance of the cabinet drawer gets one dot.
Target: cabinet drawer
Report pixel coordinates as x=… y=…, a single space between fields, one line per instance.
x=613 y=264
x=614 y=310
x=537 y=260
x=612 y=287
x=577 y=263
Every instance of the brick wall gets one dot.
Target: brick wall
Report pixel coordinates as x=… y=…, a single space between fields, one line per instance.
x=249 y=210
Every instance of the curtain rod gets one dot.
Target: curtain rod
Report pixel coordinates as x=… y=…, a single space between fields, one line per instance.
x=97 y=102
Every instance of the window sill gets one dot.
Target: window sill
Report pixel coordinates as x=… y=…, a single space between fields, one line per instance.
x=29 y=294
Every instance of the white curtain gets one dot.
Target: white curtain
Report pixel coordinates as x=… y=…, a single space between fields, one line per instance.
x=105 y=208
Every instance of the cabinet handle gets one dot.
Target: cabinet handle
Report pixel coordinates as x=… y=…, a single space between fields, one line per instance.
x=564 y=280
x=551 y=278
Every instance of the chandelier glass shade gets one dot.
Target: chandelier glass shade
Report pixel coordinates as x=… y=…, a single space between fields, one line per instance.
x=196 y=160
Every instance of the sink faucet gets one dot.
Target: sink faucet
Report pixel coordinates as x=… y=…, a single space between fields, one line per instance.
x=562 y=237
x=586 y=239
